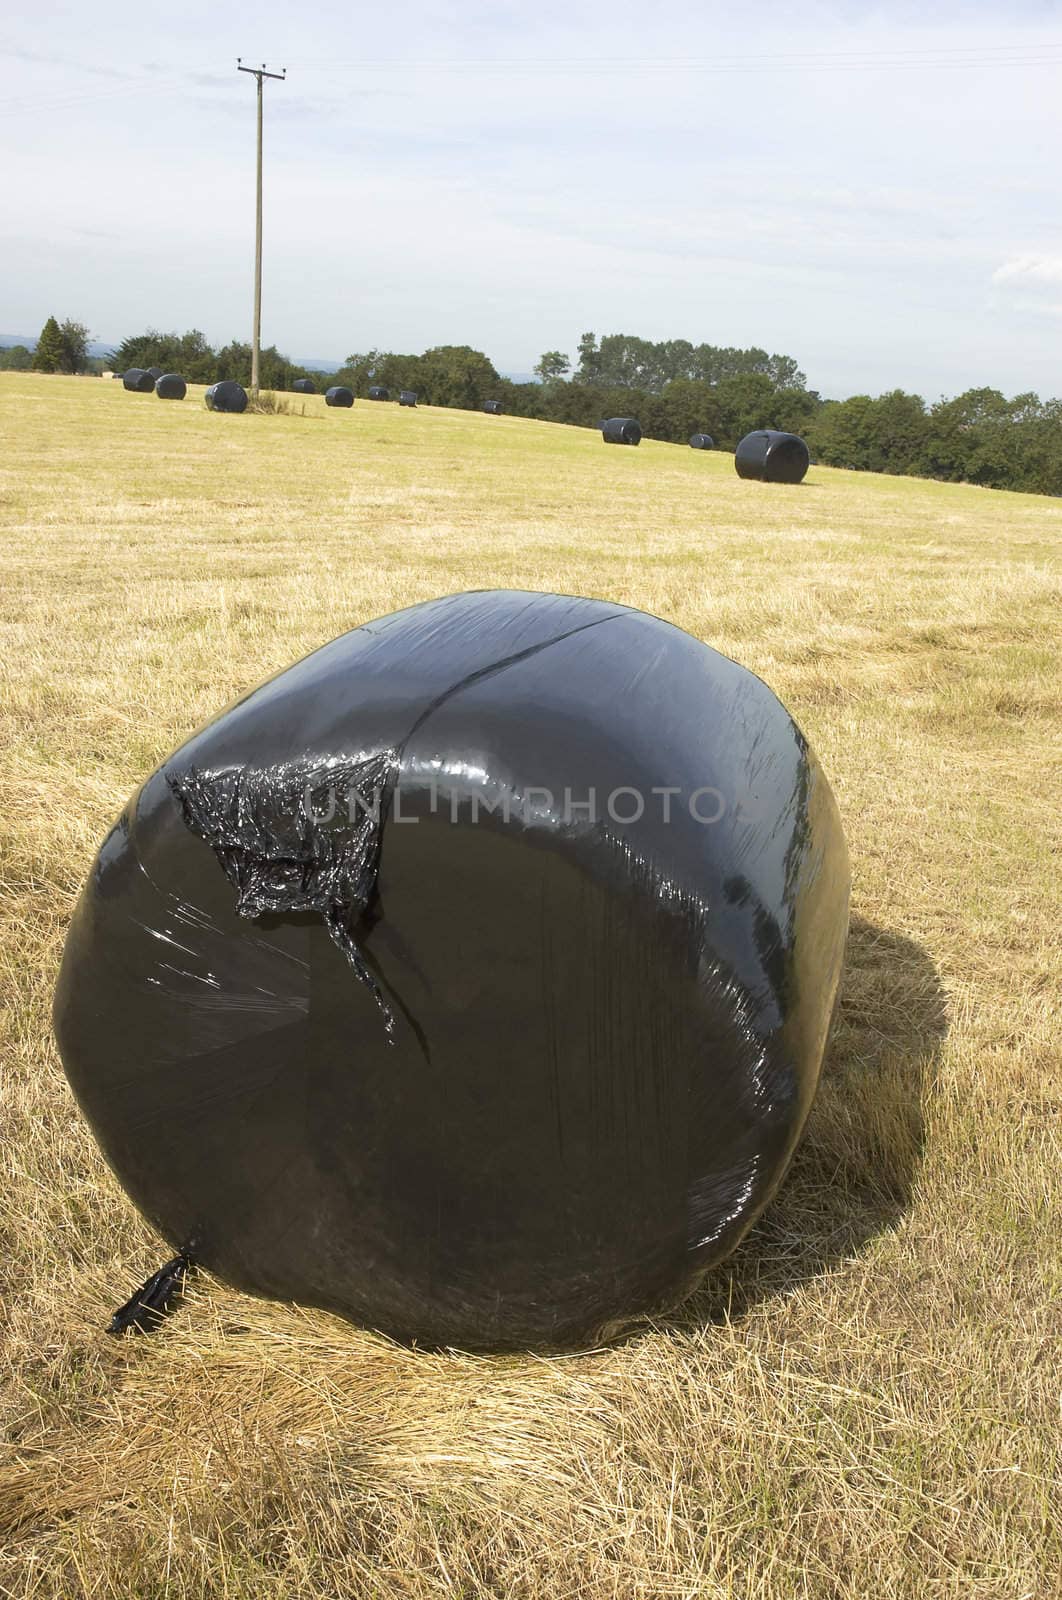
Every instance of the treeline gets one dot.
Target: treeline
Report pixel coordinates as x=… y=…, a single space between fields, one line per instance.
x=199 y=362
x=623 y=361
x=674 y=388
x=978 y=437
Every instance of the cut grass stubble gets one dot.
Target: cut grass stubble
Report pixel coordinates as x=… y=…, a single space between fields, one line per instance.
x=865 y=1399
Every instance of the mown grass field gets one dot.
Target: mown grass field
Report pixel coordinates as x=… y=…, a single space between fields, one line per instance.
x=865 y=1401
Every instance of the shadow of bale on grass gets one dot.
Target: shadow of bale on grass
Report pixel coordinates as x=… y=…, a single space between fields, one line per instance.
x=853 y=1176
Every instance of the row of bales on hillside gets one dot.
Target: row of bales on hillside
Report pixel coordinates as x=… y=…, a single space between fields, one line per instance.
x=231 y=396
x=766 y=454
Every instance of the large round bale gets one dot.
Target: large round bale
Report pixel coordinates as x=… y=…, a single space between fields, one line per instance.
x=304 y=386
x=338 y=395
x=228 y=395
x=772 y=457
x=156 y=373
x=470 y=978
x=171 y=386
x=378 y=392
x=138 y=381
x=407 y=397
x=621 y=430
x=493 y=408
x=701 y=441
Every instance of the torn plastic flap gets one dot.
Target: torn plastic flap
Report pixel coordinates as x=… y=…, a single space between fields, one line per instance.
x=303 y=835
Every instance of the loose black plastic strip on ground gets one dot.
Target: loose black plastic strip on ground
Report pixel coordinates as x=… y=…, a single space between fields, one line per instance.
x=157 y=1298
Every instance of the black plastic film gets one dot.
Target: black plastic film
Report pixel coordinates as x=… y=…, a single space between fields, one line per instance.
x=297 y=836
x=594 y=880
x=157 y=1297
x=621 y=430
x=772 y=457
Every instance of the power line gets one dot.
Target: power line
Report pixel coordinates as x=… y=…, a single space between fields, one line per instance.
x=963 y=57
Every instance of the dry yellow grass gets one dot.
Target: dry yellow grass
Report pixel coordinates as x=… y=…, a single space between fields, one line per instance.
x=865 y=1400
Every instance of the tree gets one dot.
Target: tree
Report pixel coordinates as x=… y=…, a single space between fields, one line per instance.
x=16 y=359
x=589 y=368
x=50 y=352
x=186 y=353
x=74 y=337
x=456 y=375
x=552 y=366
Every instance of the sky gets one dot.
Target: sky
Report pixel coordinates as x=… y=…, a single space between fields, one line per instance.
x=871 y=189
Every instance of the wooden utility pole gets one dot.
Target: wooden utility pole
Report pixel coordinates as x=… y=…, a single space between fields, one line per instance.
x=256 y=336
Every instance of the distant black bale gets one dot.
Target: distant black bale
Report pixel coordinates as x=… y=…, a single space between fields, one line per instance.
x=171 y=387
x=156 y=373
x=407 y=397
x=137 y=381
x=701 y=441
x=493 y=408
x=621 y=430
x=339 y=396
x=304 y=386
x=226 y=396
x=377 y=392
x=772 y=457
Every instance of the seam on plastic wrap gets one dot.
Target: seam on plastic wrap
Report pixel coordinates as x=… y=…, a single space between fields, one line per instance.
x=281 y=857
x=498 y=666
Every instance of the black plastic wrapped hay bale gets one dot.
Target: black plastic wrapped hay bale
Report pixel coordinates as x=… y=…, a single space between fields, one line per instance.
x=621 y=430
x=338 y=395
x=471 y=978
x=377 y=392
x=493 y=408
x=407 y=397
x=138 y=381
x=701 y=441
x=304 y=386
x=171 y=386
x=228 y=395
x=772 y=457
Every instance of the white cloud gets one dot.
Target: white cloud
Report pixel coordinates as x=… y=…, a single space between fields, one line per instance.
x=1029 y=270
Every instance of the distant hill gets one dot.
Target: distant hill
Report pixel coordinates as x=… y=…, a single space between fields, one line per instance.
x=29 y=340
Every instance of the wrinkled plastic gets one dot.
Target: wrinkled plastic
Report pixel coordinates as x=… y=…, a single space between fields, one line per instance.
x=493 y=408
x=407 y=397
x=377 y=392
x=162 y=1293
x=138 y=381
x=772 y=457
x=471 y=977
x=701 y=441
x=228 y=395
x=621 y=430
x=339 y=395
x=304 y=386
x=171 y=386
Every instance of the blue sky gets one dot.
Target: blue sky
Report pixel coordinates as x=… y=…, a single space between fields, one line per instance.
x=872 y=190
